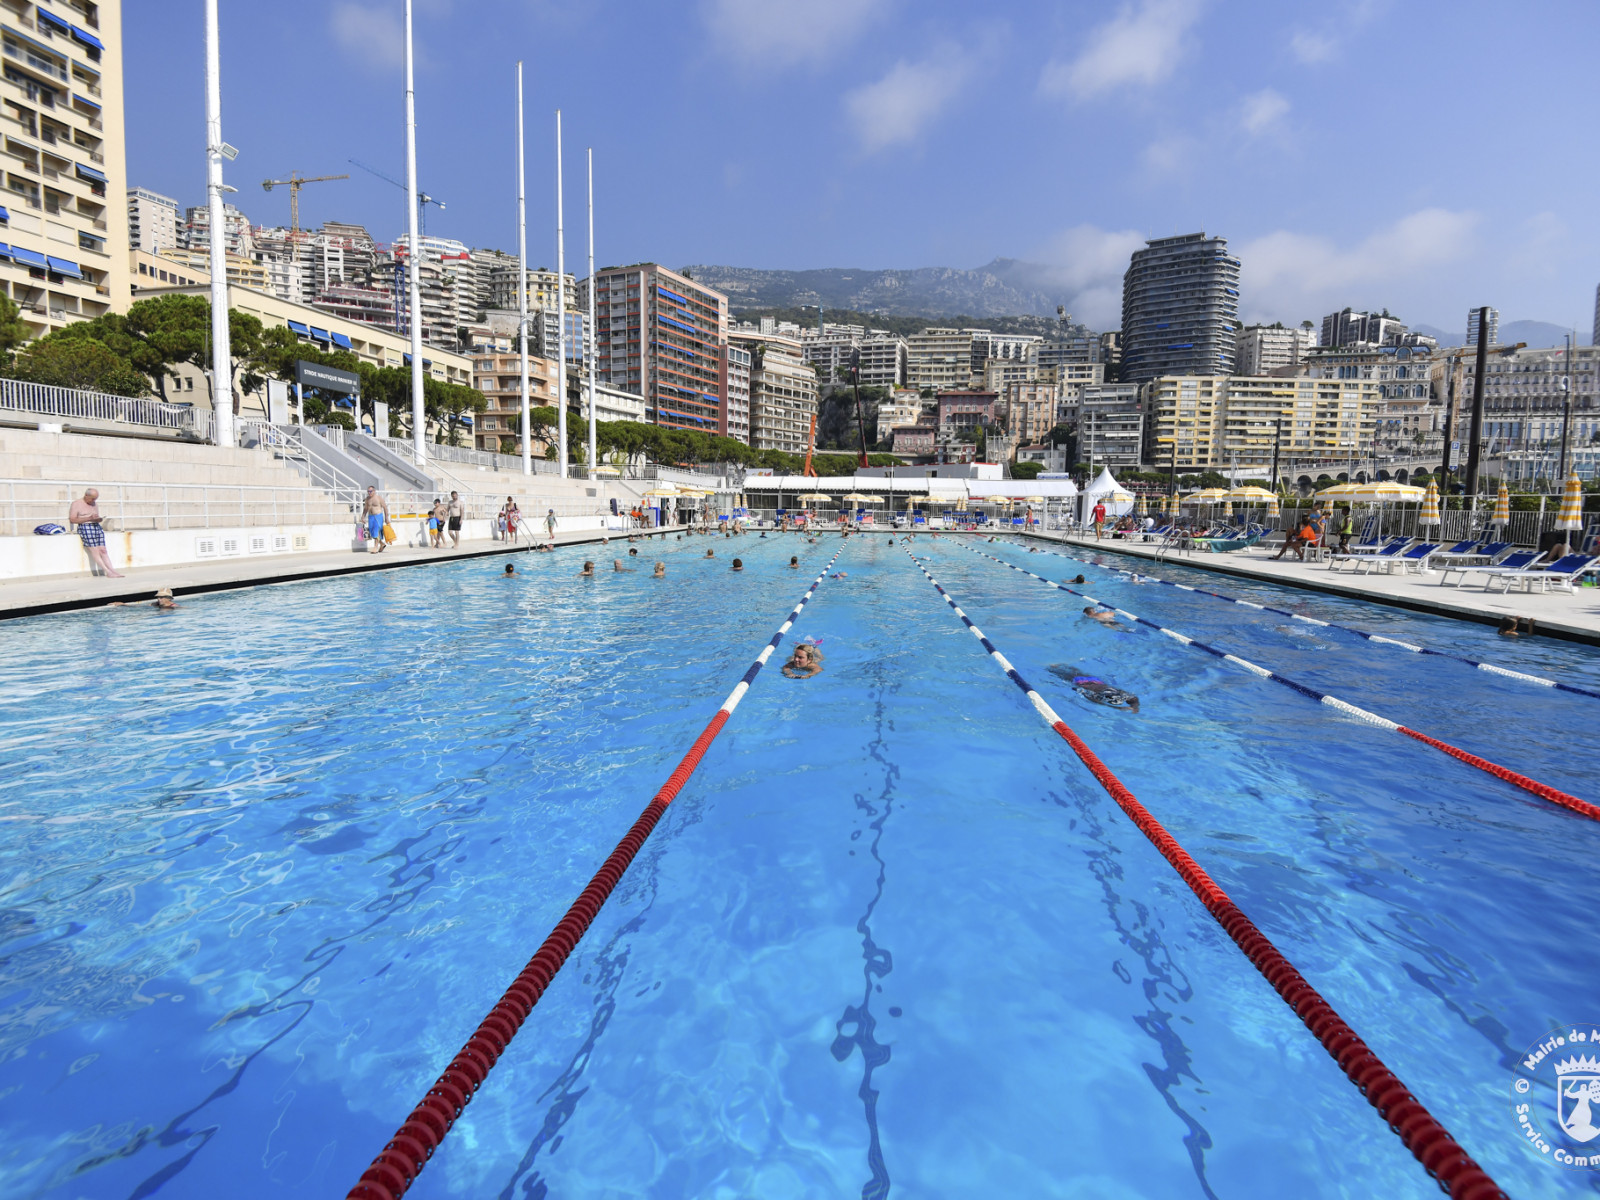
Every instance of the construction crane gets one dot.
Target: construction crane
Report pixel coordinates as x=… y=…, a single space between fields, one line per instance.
x=294 y=183
x=423 y=199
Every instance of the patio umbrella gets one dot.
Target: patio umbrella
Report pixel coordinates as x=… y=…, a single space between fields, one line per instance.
x=1227 y=509
x=1502 y=508
x=1272 y=505
x=1142 y=508
x=860 y=498
x=1571 y=504
x=999 y=499
x=1385 y=492
x=1430 y=505
x=1251 y=494
x=663 y=492
x=1206 y=496
x=816 y=496
x=1035 y=499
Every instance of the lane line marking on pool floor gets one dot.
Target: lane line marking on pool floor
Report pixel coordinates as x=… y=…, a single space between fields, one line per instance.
x=1543 y=790
x=402 y=1159
x=1428 y=1140
x=1411 y=647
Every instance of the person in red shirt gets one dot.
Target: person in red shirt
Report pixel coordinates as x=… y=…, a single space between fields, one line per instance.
x=1099 y=518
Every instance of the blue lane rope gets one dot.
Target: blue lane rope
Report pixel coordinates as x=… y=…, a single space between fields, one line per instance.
x=1542 y=790
x=1520 y=676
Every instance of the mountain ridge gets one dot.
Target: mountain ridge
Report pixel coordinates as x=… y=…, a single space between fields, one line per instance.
x=1006 y=287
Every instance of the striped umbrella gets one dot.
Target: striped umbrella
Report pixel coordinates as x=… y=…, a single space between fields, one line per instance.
x=1430 y=505
x=1143 y=507
x=1272 y=505
x=1227 y=509
x=1502 y=507
x=1571 y=504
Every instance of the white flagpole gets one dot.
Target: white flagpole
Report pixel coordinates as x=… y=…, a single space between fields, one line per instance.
x=561 y=315
x=589 y=345
x=419 y=433
x=221 y=351
x=522 y=284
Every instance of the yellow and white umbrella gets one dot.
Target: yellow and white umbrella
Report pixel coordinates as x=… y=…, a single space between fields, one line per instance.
x=1502 y=507
x=1227 y=509
x=1430 y=505
x=1272 y=505
x=999 y=499
x=1142 y=508
x=605 y=470
x=818 y=497
x=1571 y=504
x=1206 y=496
x=862 y=498
x=1386 y=492
x=1035 y=499
x=1251 y=494
x=663 y=492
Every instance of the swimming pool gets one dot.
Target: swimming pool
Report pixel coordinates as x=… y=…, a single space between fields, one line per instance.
x=270 y=859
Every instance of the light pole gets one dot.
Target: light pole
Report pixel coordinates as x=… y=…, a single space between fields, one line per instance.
x=1566 y=414
x=561 y=314
x=522 y=287
x=221 y=351
x=589 y=343
x=419 y=433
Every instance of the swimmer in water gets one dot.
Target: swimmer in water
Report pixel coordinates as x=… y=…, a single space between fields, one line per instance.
x=616 y=565
x=793 y=561
x=1096 y=690
x=738 y=564
x=661 y=571
x=587 y=572
x=804 y=662
x=710 y=554
x=510 y=571
x=1104 y=615
x=633 y=551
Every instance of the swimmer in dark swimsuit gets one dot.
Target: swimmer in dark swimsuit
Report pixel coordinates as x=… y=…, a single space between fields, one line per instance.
x=1096 y=690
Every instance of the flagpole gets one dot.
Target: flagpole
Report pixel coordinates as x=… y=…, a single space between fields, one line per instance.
x=419 y=432
x=221 y=353
x=561 y=315
x=522 y=284
x=589 y=345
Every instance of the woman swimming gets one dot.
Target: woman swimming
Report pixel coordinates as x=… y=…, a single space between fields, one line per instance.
x=1096 y=690
x=804 y=662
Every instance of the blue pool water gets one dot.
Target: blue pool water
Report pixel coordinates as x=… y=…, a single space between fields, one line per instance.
x=267 y=861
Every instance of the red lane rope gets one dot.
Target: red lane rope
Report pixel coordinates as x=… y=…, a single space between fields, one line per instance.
x=1422 y=1134
x=400 y=1162
x=1522 y=781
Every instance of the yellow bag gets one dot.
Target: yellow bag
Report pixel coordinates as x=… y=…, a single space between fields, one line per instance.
x=388 y=533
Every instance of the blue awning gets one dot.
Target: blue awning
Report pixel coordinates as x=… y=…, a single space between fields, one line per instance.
x=427 y=362
x=90 y=173
x=344 y=402
x=663 y=291
x=5 y=214
x=319 y=335
x=32 y=257
x=62 y=267
x=340 y=339
x=55 y=22
x=85 y=100
x=297 y=327
x=5 y=250
x=88 y=39
x=466 y=418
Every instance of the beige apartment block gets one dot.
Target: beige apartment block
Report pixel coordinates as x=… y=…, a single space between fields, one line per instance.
x=1225 y=421
x=783 y=391
x=940 y=359
x=498 y=376
x=186 y=268
x=1185 y=414
x=65 y=226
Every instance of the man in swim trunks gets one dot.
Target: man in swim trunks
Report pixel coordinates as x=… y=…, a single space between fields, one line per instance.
x=1097 y=691
x=455 y=510
x=1104 y=615
x=85 y=514
x=376 y=509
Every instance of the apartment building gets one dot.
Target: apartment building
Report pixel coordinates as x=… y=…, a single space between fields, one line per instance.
x=1493 y=323
x=1111 y=424
x=1349 y=328
x=152 y=221
x=990 y=347
x=1030 y=408
x=965 y=410
x=735 y=418
x=1525 y=396
x=1263 y=349
x=177 y=267
x=903 y=407
x=1180 y=307
x=1219 y=421
x=498 y=376
x=660 y=335
x=238 y=237
x=939 y=359
x=783 y=391
x=541 y=284
x=65 y=253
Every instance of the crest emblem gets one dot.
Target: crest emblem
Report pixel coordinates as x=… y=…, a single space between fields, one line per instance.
x=1577 y=1097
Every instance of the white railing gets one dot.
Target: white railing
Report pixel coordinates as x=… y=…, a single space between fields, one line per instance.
x=17 y=395
x=509 y=463
x=29 y=503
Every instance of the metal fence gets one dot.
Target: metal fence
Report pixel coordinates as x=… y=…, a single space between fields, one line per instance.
x=29 y=503
x=45 y=400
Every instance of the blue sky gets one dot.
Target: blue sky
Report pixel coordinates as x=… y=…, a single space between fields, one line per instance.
x=1424 y=156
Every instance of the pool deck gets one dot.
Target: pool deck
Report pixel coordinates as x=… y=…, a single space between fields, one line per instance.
x=64 y=593
x=1559 y=615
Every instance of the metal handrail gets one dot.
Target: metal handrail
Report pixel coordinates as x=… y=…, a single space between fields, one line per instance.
x=47 y=400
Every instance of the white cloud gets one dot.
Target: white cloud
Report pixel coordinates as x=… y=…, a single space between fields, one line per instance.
x=1084 y=265
x=372 y=35
x=1263 y=111
x=1140 y=46
x=1313 y=47
x=1169 y=156
x=1286 y=276
x=764 y=34
x=899 y=106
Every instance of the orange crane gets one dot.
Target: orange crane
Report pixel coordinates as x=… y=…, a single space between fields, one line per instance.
x=294 y=183
x=811 y=444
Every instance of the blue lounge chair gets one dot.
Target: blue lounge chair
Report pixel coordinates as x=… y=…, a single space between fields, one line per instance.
x=1519 y=561
x=1563 y=574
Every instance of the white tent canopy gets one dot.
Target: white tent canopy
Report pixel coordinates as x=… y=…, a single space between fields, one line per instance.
x=1117 y=499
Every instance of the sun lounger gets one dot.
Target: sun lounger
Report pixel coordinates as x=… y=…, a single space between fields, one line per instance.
x=1359 y=557
x=1519 y=561
x=1563 y=574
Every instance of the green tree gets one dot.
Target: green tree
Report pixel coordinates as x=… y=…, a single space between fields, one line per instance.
x=79 y=362
x=14 y=331
x=1026 y=470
